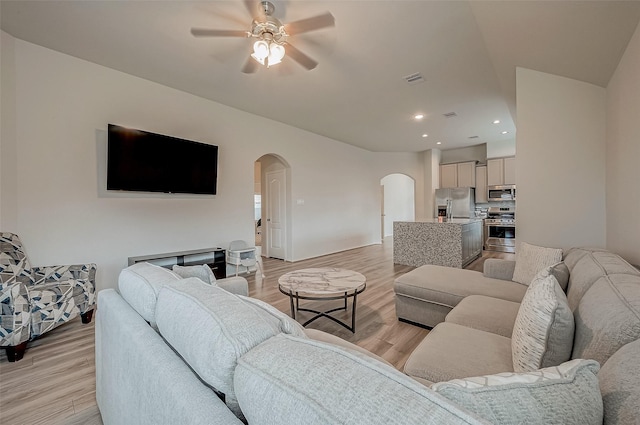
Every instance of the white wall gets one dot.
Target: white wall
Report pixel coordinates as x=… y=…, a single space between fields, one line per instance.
x=623 y=155
x=471 y=153
x=64 y=215
x=399 y=200
x=8 y=186
x=560 y=161
x=431 y=164
x=407 y=163
x=501 y=148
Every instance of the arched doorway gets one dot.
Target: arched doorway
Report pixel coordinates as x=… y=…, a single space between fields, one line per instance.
x=271 y=207
x=398 y=201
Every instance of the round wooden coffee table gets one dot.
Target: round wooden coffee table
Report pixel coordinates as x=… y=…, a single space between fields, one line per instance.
x=323 y=284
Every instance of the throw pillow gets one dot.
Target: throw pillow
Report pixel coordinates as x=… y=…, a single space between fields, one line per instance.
x=565 y=394
x=544 y=327
x=530 y=259
x=203 y=272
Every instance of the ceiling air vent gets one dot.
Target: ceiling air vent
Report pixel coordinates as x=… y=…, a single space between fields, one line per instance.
x=414 y=78
x=450 y=115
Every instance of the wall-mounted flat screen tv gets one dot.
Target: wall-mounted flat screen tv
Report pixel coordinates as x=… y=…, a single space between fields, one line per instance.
x=140 y=161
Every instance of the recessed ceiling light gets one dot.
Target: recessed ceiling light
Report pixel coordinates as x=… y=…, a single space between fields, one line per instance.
x=496 y=121
x=504 y=132
x=438 y=143
x=418 y=117
x=425 y=135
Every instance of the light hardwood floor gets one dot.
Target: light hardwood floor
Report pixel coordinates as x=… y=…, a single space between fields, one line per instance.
x=55 y=381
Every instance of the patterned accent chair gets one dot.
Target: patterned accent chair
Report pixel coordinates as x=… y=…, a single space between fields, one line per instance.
x=35 y=300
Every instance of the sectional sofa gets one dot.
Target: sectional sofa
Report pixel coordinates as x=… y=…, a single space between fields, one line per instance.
x=177 y=349
x=473 y=316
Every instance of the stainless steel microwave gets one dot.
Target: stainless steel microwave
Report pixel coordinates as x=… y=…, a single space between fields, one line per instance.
x=501 y=193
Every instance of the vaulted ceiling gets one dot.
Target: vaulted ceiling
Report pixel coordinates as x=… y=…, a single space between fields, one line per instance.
x=466 y=52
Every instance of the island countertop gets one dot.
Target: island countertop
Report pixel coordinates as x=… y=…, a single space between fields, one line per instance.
x=451 y=243
x=450 y=221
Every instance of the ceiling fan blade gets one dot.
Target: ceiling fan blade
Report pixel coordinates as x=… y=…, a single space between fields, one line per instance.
x=300 y=57
x=204 y=32
x=254 y=8
x=250 y=66
x=310 y=24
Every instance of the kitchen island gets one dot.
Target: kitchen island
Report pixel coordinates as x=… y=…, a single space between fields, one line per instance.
x=452 y=243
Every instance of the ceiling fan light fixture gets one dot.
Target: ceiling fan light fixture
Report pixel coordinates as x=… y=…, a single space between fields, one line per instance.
x=267 y=53
x=260 y=50
x=271 y=36
x=276 y=52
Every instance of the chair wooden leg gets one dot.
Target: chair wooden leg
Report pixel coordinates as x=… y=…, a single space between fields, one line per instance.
x=86 y=317
x=16 y=352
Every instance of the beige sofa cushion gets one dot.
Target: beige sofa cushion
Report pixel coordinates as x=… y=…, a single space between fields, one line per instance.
x=619 y=378
x=453 y=351
x=287 y=381
x=448 y=286
x=567 y=394
x=544 y=327
x=531 y=259
x=607 y=317
x=486 y=314
x=588 y=265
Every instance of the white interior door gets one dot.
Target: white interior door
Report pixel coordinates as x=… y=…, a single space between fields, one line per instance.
x=276 y=214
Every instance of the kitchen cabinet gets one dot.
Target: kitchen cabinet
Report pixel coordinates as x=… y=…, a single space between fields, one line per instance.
x=501 y=171
x=510 y=170
x=449 y=175
x=461 y=174
x=471 y=241
x=481 y=184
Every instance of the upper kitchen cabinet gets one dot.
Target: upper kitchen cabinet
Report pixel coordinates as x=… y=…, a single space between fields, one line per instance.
x=461 y=174
x=449 y=175
x=510 y=170
x=501 y=171
x=481 y=184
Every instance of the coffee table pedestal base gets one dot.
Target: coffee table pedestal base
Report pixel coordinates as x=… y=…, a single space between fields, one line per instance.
x=295 y=297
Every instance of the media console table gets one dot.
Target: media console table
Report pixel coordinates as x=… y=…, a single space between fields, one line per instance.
x=213 y=257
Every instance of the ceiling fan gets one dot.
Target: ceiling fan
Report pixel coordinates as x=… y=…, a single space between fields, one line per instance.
x=272 y=36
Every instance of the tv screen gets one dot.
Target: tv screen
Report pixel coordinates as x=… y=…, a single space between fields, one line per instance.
x=146 y=162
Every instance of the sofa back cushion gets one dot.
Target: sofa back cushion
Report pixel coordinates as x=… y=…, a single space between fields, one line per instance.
x=288 y=380
x=544 y=327
x=140 y=285
x=561 y=272
x=607 y=317
x=619 y=378
x=587 y=265
x=211 y=328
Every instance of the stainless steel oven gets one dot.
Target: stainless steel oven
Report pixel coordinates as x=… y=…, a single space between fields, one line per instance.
x=500 y=230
